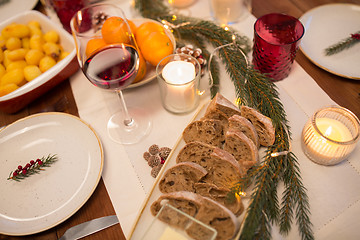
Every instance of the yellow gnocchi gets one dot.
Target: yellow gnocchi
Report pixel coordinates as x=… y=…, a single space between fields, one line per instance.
x=15 y=76
x=8 y=88
x=46 y=63
x=33 y=56
x=31 y=72
x=25 y=53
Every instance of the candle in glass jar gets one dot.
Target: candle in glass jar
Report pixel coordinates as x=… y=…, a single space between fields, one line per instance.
x=180 y=75
x=333 y=129
x=326 y=145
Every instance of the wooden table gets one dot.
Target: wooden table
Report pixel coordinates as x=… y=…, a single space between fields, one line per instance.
x=344 y=91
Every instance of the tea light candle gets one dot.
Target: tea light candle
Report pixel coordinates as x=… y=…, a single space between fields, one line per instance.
x=180 y=75
x=328 y=140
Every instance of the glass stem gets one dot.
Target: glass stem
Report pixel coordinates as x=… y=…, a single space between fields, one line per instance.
x=128 y=121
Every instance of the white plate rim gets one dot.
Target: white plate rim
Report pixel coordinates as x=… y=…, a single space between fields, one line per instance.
x=14 y=7
x=314 y=59
x=96 y=179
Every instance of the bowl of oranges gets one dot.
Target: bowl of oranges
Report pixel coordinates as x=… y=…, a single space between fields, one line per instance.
x=35 y=55
x=153 y=40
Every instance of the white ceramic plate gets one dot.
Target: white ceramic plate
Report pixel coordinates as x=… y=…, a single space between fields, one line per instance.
x=326 y=25
x=150 y=70
x=13 y=7
x=44 y=200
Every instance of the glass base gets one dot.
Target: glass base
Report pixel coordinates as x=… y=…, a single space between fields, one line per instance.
x=132 y=133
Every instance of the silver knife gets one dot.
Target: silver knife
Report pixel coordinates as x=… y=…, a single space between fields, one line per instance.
x=89 y=227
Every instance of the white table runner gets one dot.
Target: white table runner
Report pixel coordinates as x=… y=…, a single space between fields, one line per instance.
x=333 y=191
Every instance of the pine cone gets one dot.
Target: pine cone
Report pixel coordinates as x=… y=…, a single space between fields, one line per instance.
x=196 y=53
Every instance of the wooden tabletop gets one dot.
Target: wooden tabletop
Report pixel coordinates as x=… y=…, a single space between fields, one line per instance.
x=343 y=91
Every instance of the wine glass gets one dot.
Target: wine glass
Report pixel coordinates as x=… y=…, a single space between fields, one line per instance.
x=110 y=62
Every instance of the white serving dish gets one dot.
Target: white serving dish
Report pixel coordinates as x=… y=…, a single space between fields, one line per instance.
x=24 y=95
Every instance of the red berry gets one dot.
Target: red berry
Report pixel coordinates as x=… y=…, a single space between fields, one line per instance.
x=27 y=165
x=162 y=161
x=23 y=172
x=40 y=162
x=32 y=162
x=19 y=167
x=15 y=174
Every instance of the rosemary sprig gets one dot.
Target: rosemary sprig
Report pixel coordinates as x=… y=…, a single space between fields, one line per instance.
x=343 y=44
x=31 y=168
x=256 y=90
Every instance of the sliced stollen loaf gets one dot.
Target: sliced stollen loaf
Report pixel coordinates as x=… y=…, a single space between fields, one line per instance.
x=245 y=126
x=262 y=124
x=219 y=194
x=242 y=148
x=209 y=131
x=222 y=104
x=185 y=201
x=216 y=216
x=182 y=177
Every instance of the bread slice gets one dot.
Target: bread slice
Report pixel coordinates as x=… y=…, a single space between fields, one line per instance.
x=245 y=126
x=195 y=152
x=209 y=131
x=181 y=177
x=187 y=202
x=222 y=104
x=216 y=216
x=262 y=124
x=242 y=148
x=217 y=115
x=201 y=208
x=223 y=169
x=220 y=194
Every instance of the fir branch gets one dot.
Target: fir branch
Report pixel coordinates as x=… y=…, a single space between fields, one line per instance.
x=31 y=169
x=342 y=45
x=255 y=90
x=295 y=195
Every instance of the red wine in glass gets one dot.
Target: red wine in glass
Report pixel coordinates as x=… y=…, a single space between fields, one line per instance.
x=112 y=67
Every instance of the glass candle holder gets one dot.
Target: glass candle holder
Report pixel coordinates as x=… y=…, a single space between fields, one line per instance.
x=276 y=41
x=227 y=12
x=64 y=10
x=179 y=79
x=330 y=135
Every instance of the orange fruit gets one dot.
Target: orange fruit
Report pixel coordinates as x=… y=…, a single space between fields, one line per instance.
x=142 y=69
x=155 y=47
x=132 y=26
x=93 y=45
x=115 y=30
x=145 y=29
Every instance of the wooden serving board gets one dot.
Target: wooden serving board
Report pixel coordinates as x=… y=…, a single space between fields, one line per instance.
x=145 y=219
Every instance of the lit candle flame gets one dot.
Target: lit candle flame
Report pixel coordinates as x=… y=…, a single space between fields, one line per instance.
x=328 y=131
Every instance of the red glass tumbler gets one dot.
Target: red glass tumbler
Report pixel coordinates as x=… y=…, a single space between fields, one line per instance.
x=276 y=40
x=65 y=9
